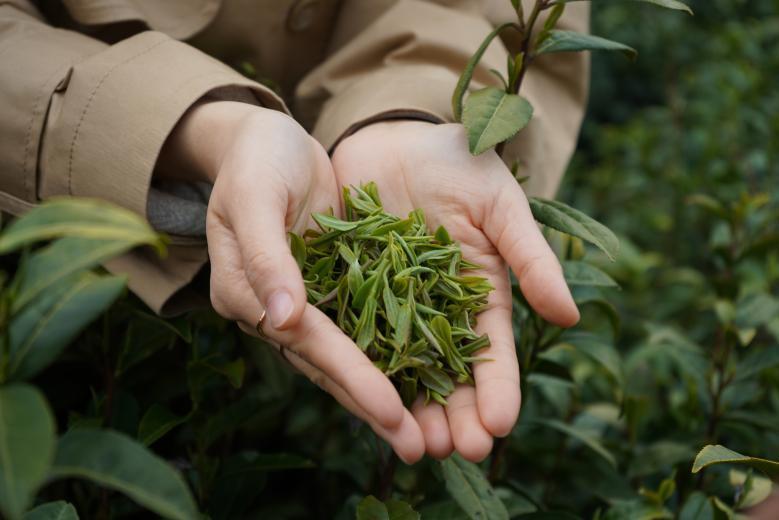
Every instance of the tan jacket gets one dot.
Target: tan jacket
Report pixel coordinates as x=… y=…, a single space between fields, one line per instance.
x=89 y=89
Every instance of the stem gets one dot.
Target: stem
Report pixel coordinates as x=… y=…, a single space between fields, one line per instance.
x=527 y=35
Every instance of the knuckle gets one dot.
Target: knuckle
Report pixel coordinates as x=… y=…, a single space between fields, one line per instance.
x=217 y=302
x=258 y=268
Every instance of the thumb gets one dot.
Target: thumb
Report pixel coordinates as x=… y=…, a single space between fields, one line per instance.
x=270 y=268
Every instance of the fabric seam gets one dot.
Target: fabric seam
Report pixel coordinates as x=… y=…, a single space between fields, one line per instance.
x=89 y=103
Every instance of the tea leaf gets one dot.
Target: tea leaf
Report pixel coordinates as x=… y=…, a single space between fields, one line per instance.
x=582 y=273
x=47 y=325
x=83 y=218
x=569 y=41
x=471 y=490
x=580 y=435
x=718 y=454
x=668 y=4
x=465 y=78
x=437 y=380
x=157 y=422
x=59 y=510
x=115 y=461
x=27 y=440
x=492 y=116
x=561 y=217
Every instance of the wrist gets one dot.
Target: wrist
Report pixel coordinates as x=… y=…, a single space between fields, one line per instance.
x=195 y=148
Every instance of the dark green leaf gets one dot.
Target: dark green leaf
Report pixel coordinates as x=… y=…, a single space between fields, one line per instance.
x=580 y=435
x=26 y=446
x=116 y=461
x=371 y=508
x=45 y=327
x=61 y=259
x=59 y=510
x=156 y=422
x=697 y=507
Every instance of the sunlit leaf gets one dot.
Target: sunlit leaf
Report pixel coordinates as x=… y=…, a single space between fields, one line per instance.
x=718 y=454
x=492 y=116
x=74 y=217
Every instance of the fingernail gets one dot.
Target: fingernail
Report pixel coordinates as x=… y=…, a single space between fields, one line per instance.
x=280 y=308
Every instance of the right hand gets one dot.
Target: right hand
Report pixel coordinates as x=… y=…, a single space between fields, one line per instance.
x=269 y=175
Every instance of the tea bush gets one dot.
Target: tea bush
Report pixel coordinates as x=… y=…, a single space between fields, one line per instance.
x=678 y=347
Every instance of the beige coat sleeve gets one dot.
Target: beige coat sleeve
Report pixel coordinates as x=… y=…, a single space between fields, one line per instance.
x=83 y=118
x=405 y=65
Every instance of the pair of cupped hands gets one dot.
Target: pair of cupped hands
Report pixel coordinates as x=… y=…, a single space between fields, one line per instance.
x=270 y=175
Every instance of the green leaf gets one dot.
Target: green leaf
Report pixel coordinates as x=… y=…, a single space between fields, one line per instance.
x=26 y=446
x=755 y=310
x=583 y=273
x=298 y=248
x=113 y=460
x=399 y=510
x=59 y=510
x=563 y=218
x=471 y=490
x=697 y=507
x=718 y=454
x=329 y=222
x=757 y=361
x=371 y=508
x=47 y=325
x=437 y=380
x=465 y=78
x=570 y=41
x=599 y=350
x=61 y=259
x=492 y=116
x=156 y=422
x=668 y=4
x=580 y=435
x=74 y=217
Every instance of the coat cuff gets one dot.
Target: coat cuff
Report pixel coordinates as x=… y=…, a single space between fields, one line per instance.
x=110 y=117
x=399 y=92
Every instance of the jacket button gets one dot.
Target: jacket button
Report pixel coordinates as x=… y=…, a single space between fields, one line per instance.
x=302 y=15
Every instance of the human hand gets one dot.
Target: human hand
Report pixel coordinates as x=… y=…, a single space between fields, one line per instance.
x=269 y=175
x=420 y=165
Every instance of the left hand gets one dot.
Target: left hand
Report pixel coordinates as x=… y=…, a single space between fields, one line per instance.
x=421 y=165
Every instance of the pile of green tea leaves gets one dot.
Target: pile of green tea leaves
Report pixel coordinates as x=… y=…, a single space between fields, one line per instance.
x=397 y=291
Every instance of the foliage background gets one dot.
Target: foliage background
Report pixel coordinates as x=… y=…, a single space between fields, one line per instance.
x=685 y=354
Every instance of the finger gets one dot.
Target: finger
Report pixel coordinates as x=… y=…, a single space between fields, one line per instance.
x=431 y=418
x=406 y=438
x=497 y=378
x=470 y=438
x=510 y=227
x=231 y=295
x=257 y=217
x=322 y=344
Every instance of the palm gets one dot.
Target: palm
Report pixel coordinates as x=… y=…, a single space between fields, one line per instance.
x=422 y=166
